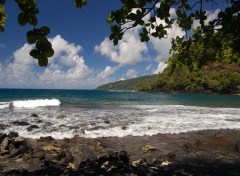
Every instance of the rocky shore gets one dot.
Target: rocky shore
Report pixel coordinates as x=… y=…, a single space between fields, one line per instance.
x=208 y=152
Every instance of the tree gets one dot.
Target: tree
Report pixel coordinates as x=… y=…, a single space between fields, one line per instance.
x=134 y=13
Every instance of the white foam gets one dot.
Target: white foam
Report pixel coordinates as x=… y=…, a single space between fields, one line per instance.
x=137 y=120
x=4 y=105
x=36 y=103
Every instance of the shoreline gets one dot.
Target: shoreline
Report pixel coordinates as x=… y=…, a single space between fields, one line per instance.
x=164 y=152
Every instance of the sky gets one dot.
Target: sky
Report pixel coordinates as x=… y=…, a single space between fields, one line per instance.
x=84 y=56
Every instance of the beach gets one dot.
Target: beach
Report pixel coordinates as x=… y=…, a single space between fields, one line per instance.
x=92 y=132
x=207 y=152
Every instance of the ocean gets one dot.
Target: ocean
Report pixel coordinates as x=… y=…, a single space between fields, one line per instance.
x=94 y=113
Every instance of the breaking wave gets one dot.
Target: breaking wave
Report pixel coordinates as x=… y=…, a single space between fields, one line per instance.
x=36 y=103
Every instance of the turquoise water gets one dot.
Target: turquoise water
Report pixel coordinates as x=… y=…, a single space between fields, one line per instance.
x=85 y=97
x=95 y=113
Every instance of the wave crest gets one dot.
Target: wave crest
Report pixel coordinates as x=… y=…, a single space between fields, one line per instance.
x=36 y=103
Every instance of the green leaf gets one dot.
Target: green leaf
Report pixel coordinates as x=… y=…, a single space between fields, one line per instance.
x=49 y=53
x=31 y=37
x=33 y=20
x=109 y=20
x=1 y=29
x=80 y=3
x=34 y=53
x=115 y=41
x=2 y=1
x=42 y=60
x=45 y=30
x=22 y=19
x=43 y=45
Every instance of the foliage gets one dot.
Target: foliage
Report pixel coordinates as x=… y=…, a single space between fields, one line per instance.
x=197 y=69
x=134 y=13
x=201 y=69
x=130 y=84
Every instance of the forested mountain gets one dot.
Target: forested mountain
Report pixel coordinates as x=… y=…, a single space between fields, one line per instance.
x=203 y=63
x=129 y=85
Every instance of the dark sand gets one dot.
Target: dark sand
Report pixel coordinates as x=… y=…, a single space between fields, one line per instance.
x=208 y=152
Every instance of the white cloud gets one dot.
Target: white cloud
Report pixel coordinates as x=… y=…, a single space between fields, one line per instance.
x=160 y=68
x=128 y=52
x=64 y=51
x=131 y=73
x=148 y=67
x=108 y=71
x=66 y=69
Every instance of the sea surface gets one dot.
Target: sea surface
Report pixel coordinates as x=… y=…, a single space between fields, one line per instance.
x=95 y=113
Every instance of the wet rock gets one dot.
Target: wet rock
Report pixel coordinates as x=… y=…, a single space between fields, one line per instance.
x=12 y=134
x=124 y=128
x=46 y=139
x=107 y=121
x=104 y=157
x=18 y=141
x=171 y=156
x=52 y=149
x=124 y=157
x=34 y=115
x=20 y=123
x=65 y=156
x=20 y=150
x=32 y=127
x=40 y=154
x=5 y=144
x=2 y=137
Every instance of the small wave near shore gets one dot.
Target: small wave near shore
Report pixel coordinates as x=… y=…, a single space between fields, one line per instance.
x=30 y=103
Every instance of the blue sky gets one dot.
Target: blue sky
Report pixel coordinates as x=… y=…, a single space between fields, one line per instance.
x=84 y=57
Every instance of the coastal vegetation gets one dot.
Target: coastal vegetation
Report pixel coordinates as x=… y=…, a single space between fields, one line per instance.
x=144 y=14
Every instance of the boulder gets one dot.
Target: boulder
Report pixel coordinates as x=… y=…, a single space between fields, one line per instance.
x=20 y=123
x=65 y=156
x=32 y=127
x=34 y=115
x=18 y=141
x=5 y=144
x=12 y=134
x=40 y=154
x=2 y=137
x=46 y=139
x=124 y=157
x=124 y=128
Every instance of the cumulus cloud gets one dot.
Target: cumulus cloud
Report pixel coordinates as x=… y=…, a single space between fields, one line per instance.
x=131 y=73
x=160 y=68
x=108 y=71
x=127 y=52
x=66 y=69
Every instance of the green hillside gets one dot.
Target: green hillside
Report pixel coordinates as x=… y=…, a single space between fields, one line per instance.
x=128 y=85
